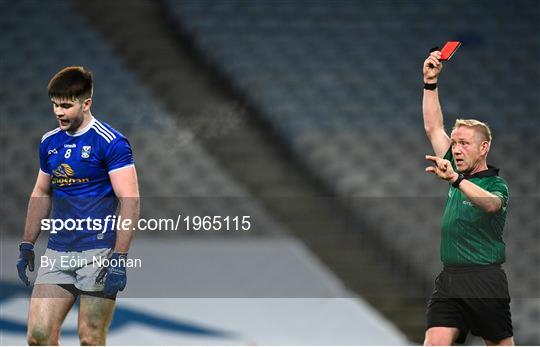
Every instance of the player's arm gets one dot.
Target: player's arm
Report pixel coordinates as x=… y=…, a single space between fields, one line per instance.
x=481 y=198
x=431 y=107
x=39 y=207
x=126 y=188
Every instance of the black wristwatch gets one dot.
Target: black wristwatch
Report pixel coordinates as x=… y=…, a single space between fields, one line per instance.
x=460 y=178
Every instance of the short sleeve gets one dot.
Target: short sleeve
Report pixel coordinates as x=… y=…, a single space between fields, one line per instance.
x=119 y=155
x=43 y=158
x=500 y=189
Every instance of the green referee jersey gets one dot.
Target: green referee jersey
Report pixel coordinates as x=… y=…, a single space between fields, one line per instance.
x=470 y=236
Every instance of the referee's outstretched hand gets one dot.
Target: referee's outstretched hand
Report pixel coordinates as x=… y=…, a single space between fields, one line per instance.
x=441 y=167
x=26 y=259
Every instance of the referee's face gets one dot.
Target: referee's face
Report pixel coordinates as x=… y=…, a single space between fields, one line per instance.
x=467 y=149
x=69 y=113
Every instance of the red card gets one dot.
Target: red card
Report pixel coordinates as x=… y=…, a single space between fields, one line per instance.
x=449 y=49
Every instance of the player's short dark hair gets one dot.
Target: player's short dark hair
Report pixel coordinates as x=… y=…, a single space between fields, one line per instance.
x=72 y=82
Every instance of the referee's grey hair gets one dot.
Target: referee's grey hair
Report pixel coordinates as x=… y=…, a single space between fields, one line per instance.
x=482 y=127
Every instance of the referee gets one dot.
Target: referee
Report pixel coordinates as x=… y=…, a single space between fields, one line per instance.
x=471 y=293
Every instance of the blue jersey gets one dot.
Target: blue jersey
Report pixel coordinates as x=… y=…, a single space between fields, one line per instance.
x=79 y=165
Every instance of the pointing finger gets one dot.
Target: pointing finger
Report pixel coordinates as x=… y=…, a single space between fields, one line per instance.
x=432 y=158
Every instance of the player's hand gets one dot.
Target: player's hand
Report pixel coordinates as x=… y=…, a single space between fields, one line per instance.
x=26 y=259
x=114 y=275
x=442 y=168
x=432 y=67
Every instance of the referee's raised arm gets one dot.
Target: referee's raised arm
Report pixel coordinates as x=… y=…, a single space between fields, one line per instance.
x=431 y=107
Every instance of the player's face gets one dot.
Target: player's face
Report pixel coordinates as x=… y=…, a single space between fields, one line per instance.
x=69 y=113
x=468 y=148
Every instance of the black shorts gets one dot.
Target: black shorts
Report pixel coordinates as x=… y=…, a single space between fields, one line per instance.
x=76 y=292
x=472 y=298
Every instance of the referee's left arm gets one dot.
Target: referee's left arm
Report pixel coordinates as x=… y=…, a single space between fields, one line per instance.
x=486 y=201
x=126 y=189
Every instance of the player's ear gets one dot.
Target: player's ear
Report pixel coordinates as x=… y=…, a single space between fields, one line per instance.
x=86 y=104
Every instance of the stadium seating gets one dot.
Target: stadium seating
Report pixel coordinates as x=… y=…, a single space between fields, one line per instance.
x=340 y=82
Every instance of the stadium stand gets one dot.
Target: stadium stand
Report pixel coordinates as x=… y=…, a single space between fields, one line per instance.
x=340 y=83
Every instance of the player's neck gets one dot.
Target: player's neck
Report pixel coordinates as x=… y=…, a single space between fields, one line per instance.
x=86 y=120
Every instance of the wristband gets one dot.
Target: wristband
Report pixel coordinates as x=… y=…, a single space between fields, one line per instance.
x=430 y=86
x=460 y=178
x=27 y=246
